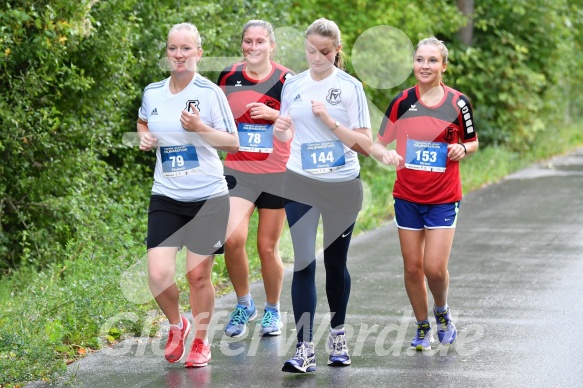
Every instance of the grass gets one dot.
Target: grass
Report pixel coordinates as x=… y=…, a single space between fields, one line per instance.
x=53 y=317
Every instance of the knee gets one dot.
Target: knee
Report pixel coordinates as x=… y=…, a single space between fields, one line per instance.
x=160 y=276
x=198 y=279
x=414 y=272
x=266 y=250
x=436 y=274
x=235 y=242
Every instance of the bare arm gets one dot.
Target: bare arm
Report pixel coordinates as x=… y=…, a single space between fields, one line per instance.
x=358 y=139
x=223 y=141
x=383 y=155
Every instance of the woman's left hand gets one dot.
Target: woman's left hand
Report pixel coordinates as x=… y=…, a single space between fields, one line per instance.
x=456 y=151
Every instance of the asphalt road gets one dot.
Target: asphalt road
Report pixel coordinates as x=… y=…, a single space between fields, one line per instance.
x=516 y=287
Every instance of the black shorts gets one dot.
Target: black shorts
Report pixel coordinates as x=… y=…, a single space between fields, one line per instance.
x=201 y=226
x=263 y=190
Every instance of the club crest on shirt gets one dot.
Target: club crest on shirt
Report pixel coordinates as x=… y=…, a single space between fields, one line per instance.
x=449 y=133
x=333 y=96
x=196 y=103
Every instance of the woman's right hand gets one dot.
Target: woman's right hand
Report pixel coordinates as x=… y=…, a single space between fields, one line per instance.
x=281 y=128
x=147 y=142
x=391 y=158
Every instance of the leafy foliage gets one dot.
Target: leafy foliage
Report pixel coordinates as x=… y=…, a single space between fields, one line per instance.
x=73 y=196
x=515 y=70
x=63 y=77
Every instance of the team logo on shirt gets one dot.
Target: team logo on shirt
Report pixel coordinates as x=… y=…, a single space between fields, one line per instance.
x=333 y=96
x=196 y=103
x=238 y=83
x=449 y=132
x=154 y=112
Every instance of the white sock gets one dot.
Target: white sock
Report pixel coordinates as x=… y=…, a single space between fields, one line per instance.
x=179 y=325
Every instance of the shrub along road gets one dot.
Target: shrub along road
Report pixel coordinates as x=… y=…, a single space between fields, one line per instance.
x=515 y=271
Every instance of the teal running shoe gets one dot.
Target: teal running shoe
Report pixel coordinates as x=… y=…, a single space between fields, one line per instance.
x=271 y=323
x=237 y=325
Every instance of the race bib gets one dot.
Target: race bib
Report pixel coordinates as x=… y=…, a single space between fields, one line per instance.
x=426 y=155
x=255 y=137
x=179 y=160
x=322 y=157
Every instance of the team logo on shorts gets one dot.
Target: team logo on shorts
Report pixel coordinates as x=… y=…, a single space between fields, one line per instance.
x=196 y=103
x=333 y=96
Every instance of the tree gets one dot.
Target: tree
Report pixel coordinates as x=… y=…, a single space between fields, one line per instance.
x=465 y=33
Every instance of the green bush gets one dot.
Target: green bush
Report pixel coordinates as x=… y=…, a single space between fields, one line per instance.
x=63 y=75
x=73 y=198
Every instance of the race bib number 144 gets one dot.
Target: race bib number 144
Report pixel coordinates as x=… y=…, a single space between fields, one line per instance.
x=322 y=157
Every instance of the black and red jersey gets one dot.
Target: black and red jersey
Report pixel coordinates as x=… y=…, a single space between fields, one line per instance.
x=242 y=90
x=410 y=122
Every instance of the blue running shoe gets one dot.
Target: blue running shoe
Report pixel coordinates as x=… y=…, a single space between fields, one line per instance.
x=237 y=324
x=338 y=350
x=303 y=361
x=446 y=331
x=424 y=337
x=271 y=323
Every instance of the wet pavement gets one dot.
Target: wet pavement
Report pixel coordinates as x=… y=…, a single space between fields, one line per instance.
x=515 y=292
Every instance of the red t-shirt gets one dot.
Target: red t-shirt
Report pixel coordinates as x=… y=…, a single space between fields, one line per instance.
x=422 y=133
x=242 y=90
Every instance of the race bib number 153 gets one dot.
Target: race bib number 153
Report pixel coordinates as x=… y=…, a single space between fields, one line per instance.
x=426 y=155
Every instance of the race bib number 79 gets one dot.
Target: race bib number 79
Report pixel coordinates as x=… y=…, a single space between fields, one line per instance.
x=179 y=160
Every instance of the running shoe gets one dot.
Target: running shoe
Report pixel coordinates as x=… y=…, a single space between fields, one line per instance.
x=175 y=350
x=271 y=323
x=338 y=350
x=446 y=331
x=424 y=337
x=242 y=315
x=303 y=361
x=200 y=354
